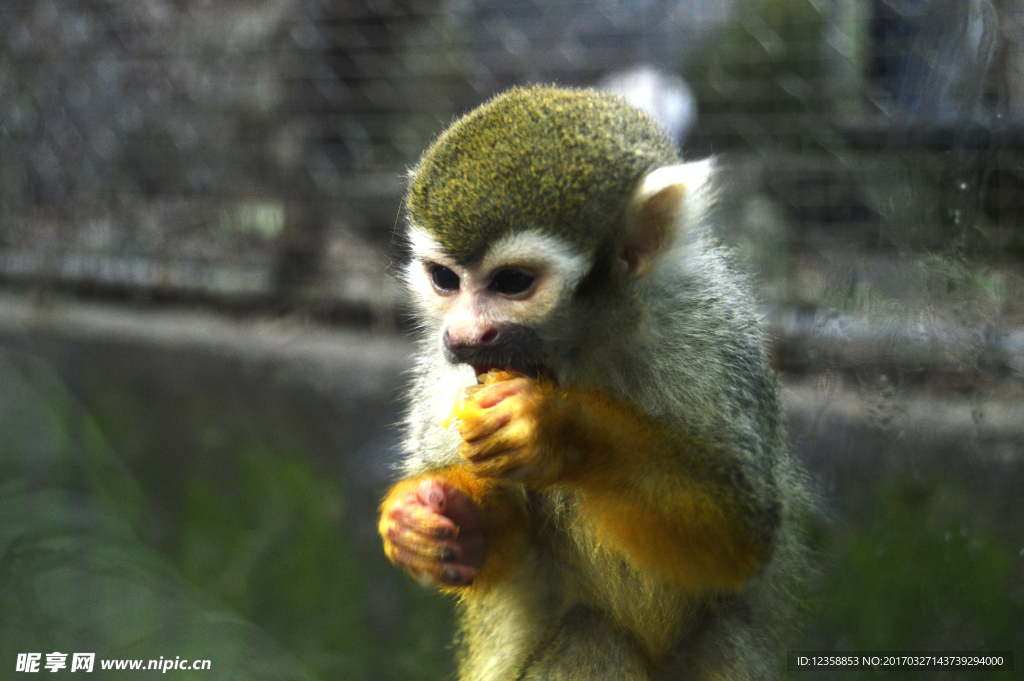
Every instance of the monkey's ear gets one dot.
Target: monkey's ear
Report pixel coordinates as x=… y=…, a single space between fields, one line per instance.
x=659 y=211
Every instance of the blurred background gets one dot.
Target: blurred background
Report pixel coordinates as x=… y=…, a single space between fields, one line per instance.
x=198 y=203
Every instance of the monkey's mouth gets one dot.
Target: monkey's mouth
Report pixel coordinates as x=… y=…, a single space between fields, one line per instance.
x=534 y=371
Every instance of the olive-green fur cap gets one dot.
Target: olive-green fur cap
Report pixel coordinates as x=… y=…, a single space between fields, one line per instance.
x=560 y=161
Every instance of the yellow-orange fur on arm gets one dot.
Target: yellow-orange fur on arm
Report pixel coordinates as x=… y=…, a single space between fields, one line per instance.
x=666 y=501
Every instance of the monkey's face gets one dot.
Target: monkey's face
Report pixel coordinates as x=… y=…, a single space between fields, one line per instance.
x=535 y=303
x=502 y=310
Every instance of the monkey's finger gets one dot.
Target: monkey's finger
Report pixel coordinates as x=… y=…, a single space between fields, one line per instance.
x=432 y=525
x=484 y=425
x=456 y=505
x=491 y=449
x=419 y=554
x=432 y=493
x=421 y=519
x=508 y=467
x=427 y=569
x=456 y=575
x=462 y=558
x=425 y=545
x=431 y=569
x=518 y=433
x=526 y=465
x=407 y=557
x=495 y=393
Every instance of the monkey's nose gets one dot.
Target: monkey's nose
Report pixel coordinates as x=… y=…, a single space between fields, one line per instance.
x=470 y=338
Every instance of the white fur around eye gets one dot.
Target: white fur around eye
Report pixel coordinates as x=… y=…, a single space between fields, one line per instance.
x=424 y=248
x=556 y=265
x=540 y=253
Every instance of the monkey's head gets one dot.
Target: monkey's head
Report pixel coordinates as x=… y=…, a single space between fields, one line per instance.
x=527 y=202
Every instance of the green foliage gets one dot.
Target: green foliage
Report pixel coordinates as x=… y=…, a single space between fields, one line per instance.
x=926 y=574
x=252 y=519
x=274 y=545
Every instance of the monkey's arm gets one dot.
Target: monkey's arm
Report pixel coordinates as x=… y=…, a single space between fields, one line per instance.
x=670 y=503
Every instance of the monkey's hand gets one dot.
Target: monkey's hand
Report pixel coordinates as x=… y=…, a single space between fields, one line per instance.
x=668 y=501
x=507 y=426
x=433 y=529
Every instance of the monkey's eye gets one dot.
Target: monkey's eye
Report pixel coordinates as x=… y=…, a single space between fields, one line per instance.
x=510 y=282
x=443 y=278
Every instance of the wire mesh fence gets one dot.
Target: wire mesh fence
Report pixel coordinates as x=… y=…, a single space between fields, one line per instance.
x=255 y=152
x=252 y=155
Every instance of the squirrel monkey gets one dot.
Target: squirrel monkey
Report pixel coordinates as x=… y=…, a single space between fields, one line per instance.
x=612 y=496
